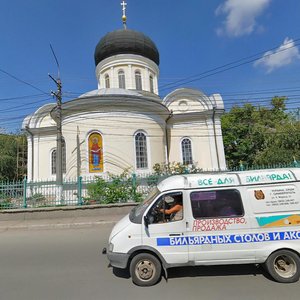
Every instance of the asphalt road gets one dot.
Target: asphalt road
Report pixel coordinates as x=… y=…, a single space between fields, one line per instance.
x=63 y=264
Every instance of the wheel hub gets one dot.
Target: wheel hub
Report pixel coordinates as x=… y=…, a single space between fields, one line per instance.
x=285 y=266
x=145 y=270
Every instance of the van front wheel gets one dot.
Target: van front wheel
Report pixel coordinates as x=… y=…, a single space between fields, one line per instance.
x=284 y=266
x=145 y=269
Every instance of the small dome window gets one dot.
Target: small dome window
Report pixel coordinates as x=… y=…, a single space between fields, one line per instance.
x=138 y=80
x=107 y=81
x=121 y=76
x=151 y=84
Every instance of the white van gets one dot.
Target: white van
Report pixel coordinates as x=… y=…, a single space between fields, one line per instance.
x=226 y=218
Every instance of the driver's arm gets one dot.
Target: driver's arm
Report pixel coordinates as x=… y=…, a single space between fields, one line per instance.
x=176 y=208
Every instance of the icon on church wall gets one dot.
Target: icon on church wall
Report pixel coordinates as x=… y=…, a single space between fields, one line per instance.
x=95 y=153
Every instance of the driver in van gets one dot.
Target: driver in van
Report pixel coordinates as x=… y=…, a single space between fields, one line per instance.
x=176 y=211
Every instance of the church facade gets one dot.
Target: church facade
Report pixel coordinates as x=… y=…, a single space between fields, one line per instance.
x=124 y=124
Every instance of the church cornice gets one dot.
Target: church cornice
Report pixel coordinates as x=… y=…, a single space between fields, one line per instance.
x=118 y=103
x=49 y=130
x=195 y=116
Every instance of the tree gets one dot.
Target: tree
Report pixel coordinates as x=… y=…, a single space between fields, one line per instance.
x=281 y=145
x=260 y=135
x=11 y=149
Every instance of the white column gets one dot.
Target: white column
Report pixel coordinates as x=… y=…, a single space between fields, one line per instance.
x=36 y=148
x=29 y=159
x=129 y=78
x=212 y=145
x=146 y=80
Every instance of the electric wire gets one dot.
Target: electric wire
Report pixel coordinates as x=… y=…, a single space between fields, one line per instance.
x=228 y=66
x=23 y=81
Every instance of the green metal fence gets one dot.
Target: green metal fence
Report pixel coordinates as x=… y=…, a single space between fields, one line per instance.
x=28 y=194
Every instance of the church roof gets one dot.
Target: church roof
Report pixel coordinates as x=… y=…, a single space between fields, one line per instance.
x=121 y=92
x=126 y=41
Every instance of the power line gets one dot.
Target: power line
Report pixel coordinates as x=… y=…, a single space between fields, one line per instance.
x=23 y=105
x=226 y=67
x=20 y=97
x=184 y=80
x=22 y=81
x=291 y=105
x=293 y=98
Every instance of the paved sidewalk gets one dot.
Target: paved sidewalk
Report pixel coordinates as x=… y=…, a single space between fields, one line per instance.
x=62 y=223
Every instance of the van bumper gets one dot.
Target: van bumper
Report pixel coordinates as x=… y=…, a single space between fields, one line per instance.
x=118 y=260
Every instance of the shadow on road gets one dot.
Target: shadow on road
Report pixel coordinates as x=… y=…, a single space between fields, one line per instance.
x=206 y=271
x=214 y=271
x=122 y=273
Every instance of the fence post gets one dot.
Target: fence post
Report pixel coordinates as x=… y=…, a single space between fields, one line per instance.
x=79 y=190
x=24 y=192
x=242 y=168
x=134 y=185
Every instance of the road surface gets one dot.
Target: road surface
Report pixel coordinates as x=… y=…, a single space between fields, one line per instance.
x=65 y=264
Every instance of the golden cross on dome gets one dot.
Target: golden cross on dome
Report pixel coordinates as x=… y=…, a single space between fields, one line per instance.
x=124 y=18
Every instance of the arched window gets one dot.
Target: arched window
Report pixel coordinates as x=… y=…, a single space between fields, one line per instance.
x=138 y=80
x=151 y=84
x=186 y=147
x=95 y=145
x=141 y=151
x=121 y=76
x=53 y=162
x=53 y=159
x=107 y=82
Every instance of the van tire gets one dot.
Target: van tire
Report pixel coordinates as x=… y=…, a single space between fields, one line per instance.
x=283 y=266
x=145 y=269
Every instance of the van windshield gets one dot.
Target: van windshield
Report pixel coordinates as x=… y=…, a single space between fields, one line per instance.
x=136 y=214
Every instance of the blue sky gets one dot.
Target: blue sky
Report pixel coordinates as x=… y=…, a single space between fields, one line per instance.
x=201 y=42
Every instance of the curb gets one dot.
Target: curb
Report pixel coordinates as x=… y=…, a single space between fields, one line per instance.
x=63 y=217
x=55 y=226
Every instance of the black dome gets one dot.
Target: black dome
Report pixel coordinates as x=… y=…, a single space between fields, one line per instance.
x=126 y=41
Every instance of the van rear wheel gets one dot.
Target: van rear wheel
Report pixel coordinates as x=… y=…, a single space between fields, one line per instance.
x=145 y=269
x=283 y=266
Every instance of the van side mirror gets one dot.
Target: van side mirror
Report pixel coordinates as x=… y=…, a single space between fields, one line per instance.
x=146 y=221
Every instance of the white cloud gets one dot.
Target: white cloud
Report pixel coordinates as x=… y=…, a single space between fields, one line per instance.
x=284 y=55
x=240 y=16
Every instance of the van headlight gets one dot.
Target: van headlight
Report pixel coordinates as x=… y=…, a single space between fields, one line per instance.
x=110 y=247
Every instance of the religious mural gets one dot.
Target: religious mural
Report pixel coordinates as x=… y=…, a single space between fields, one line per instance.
x=95 y=153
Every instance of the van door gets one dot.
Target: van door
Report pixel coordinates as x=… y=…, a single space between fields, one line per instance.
x=166 y=228
x=219 y=225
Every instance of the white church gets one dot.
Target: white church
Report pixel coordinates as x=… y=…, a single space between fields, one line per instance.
x=124 y=124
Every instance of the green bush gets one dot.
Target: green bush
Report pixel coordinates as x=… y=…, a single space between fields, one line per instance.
x=6 y=203
x=36 y=199
x=119 y=188
x=175 y=168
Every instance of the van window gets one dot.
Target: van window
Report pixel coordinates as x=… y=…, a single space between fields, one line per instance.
x=168 y=208
x=216 y=204
x=136 y=214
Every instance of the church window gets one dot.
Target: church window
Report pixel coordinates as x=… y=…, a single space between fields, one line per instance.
x=151 y=84
x=107 y=82
x=53 y=159
x=121 y=76
x=95 y=147
x=53 y=162
x=138 y=80
x=186 y=147
x=141 y=151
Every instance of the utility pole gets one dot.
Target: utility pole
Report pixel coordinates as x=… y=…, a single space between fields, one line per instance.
x=58 y=119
